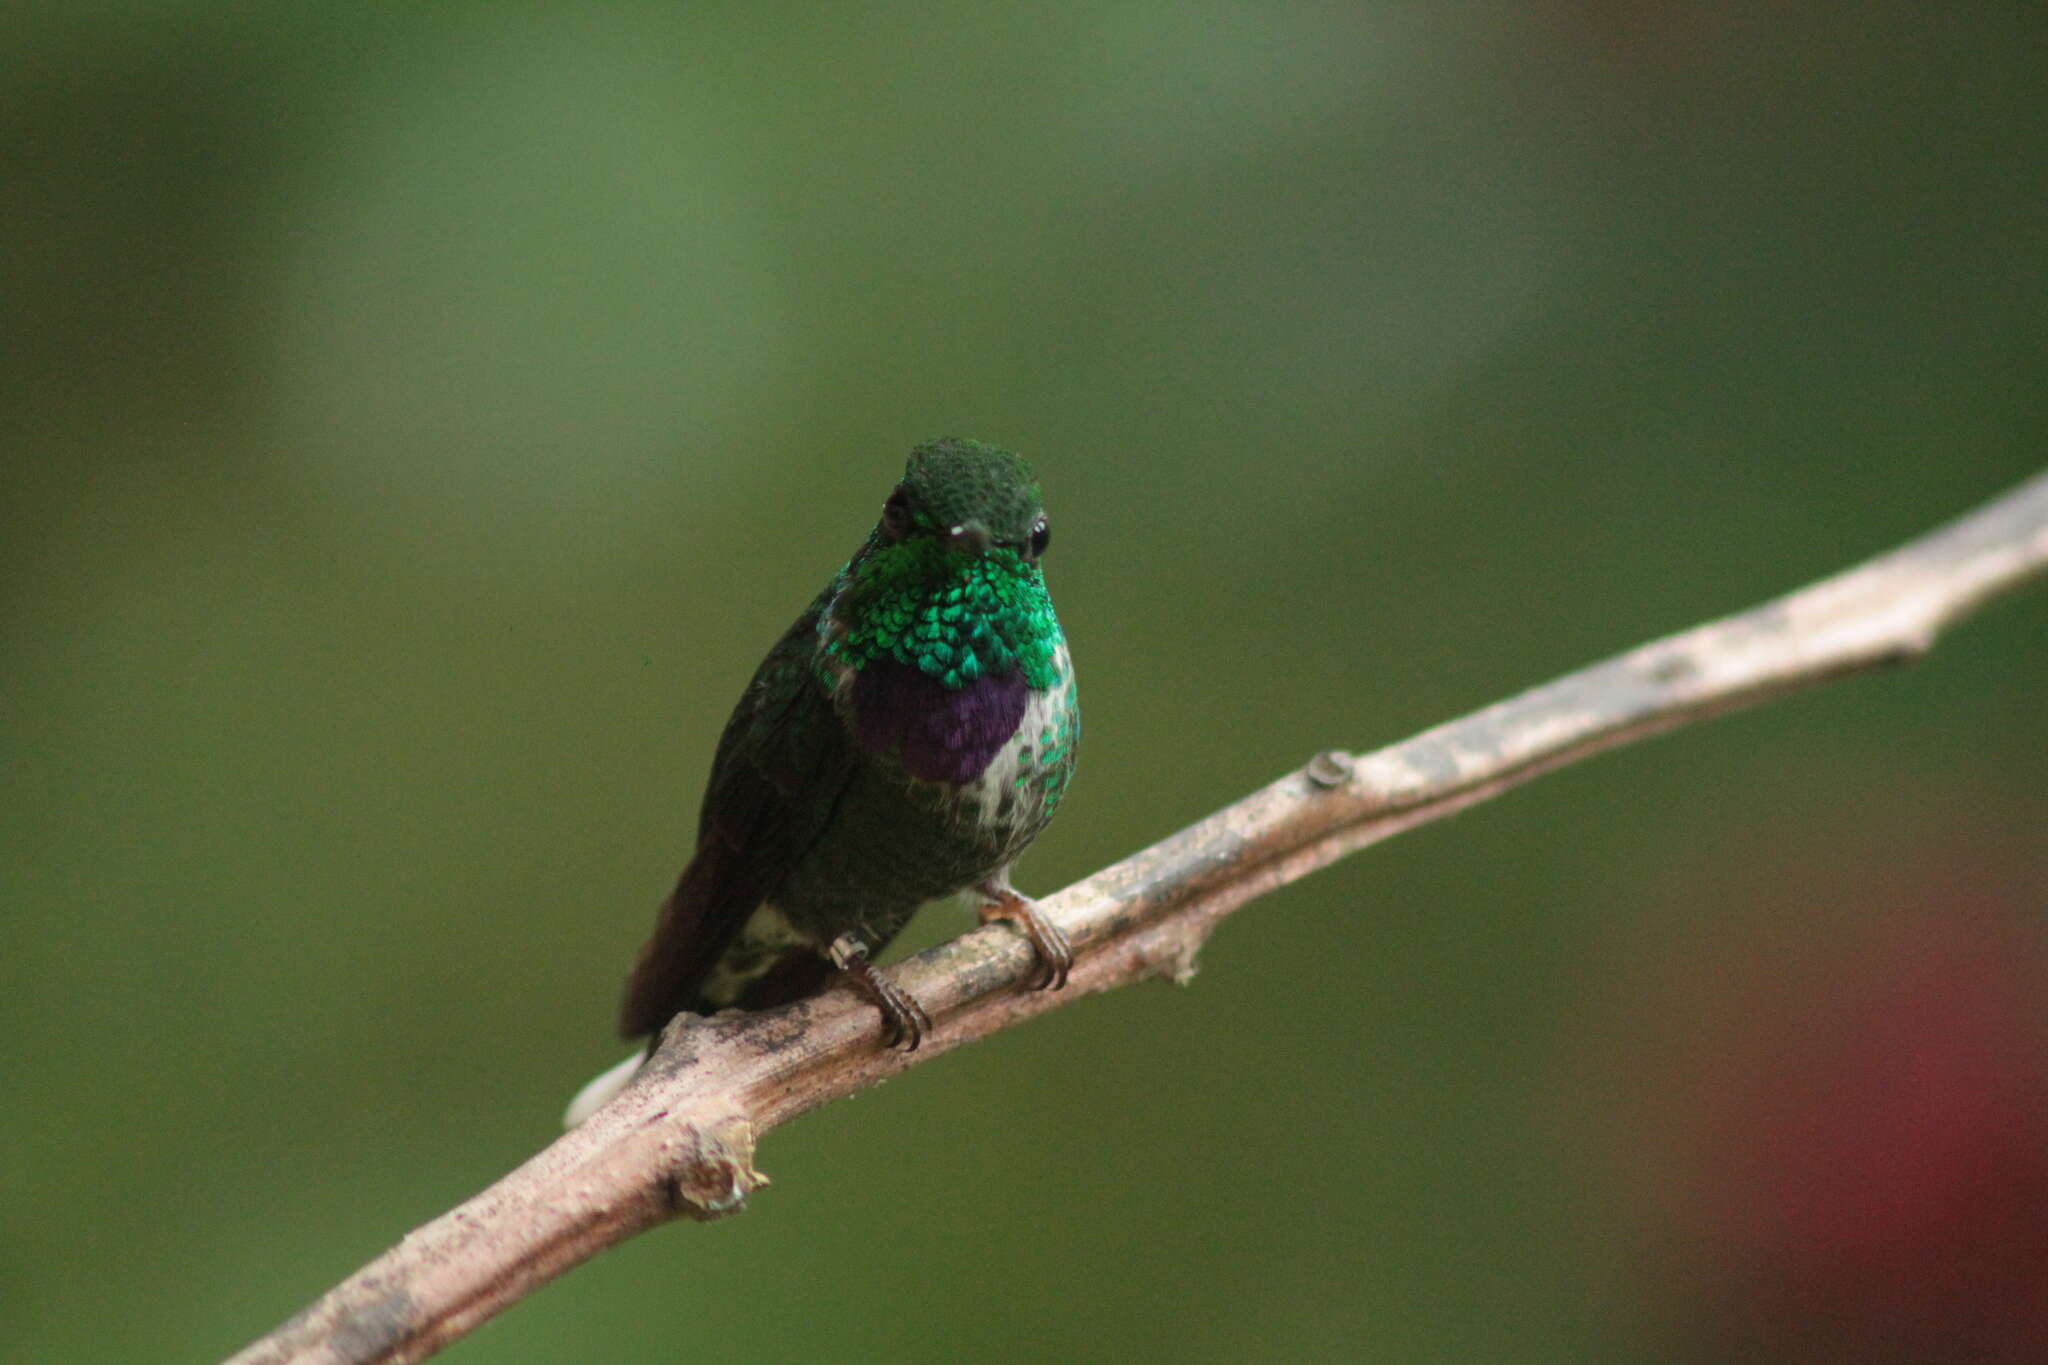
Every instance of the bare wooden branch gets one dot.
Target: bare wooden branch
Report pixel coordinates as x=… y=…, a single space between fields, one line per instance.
x=680 y=1141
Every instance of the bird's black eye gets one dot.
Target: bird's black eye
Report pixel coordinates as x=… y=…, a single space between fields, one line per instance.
x=1041 y=536
x=896 y=515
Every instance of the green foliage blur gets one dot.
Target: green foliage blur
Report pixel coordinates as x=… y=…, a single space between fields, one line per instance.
x=419 y=419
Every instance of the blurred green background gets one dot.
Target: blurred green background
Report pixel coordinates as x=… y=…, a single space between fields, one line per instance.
x=418 y=421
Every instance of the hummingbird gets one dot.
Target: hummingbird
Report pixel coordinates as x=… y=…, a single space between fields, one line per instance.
x=904 y=741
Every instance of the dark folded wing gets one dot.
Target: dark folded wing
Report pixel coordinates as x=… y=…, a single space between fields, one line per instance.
x=781 y=764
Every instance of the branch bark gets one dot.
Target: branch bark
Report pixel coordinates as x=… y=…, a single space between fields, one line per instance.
x=679 y=1142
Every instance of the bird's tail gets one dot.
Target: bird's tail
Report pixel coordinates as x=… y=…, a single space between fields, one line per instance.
x=602 y=1090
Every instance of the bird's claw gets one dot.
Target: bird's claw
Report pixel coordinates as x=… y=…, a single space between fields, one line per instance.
x=904 y=1022
x=1055 y=952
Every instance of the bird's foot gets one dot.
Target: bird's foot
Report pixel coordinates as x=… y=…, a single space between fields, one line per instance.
x=1055 y=953
x=904 y=1022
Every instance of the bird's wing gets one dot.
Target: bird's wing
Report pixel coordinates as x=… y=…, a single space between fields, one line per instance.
x=782 y=762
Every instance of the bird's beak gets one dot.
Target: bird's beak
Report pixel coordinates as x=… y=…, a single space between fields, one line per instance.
x=970 y=536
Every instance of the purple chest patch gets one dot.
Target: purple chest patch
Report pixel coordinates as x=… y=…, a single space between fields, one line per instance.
x=941 y=734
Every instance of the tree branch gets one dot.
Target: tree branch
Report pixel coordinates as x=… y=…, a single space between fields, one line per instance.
x=680 y=1141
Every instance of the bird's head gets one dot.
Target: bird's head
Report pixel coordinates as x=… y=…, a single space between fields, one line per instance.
x=967 y=496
